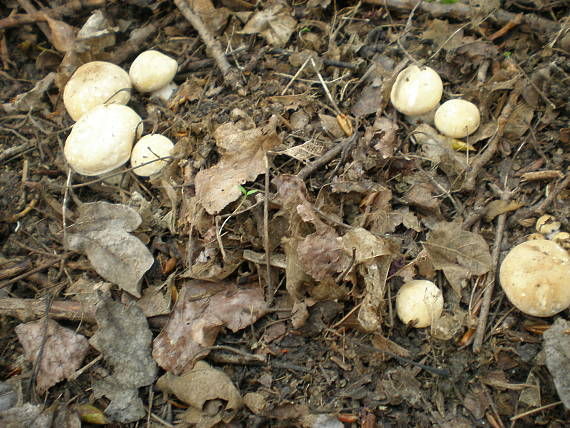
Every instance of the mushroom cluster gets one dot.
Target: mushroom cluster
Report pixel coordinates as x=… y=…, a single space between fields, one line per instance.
x=106 y=129
x=417 y=93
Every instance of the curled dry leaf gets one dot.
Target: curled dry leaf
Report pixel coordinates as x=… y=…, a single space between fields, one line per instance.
x=210 y=393
x=557 y=350
x=201 y=310
x=458 y=253
x=101 y=233
x=242 y=159
x=274 y=23
x=63 y=351
x=123 y=338
x=31 y=100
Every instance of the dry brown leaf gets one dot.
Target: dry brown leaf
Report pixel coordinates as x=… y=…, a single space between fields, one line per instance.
x=557 y=350
x=101 y=232
x=62 y=34
x=331 y=125
x=201 y=310
x=63 y=351
x=499 y=206
x=210 y=393
x=274 y=23
x=242 y=159
x=321 y=255
x=214 y=18
x=382 y=136
x=460 y=254
x=32 y=99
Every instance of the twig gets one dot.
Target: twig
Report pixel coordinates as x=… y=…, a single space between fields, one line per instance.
x=270 y=286
x=30 y=309
x=327 y=157
x=25 y=275
x=481 y=160
x=464 y=12
x=533 y=411
x=213 y=47
x=15 y=151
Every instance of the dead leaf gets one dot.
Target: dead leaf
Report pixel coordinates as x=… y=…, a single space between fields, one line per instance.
x=62 y=34
x=31 y=100
x=123 y=338
x=214 y=18
x=210 y=393
x=460 y=254
x=63 y=352
x=101 y=233
x=321 y=255
x=274 y=23
x=499 y=206
x=382 y=136
x=242 y=159
x=331 y=125
x=201 y=310
x=519 y=121
x=27 y=415
x=557 y=350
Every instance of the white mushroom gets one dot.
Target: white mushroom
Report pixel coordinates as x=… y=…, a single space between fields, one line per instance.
x=147 y=149
x=535 y=276
x=457 y=118
x=102 y=139
x=420 y=302
x=152 y=71
x=93 y=84
x=416 y=91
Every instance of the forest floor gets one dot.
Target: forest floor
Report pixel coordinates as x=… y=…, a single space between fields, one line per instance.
x=253 y=281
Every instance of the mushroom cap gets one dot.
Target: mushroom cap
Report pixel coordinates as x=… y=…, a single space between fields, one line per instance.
x=421 y=301
x=457 y=118
x=416 y=90
x=93 y=84
x=535 y=276
x=152 y=70
x=102 y=139
x=148 y=148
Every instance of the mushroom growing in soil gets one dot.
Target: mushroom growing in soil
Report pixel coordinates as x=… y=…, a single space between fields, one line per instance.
x=419 y=302
x=93 y=84
x=457 y=118
x=147 y=149
x=152 y=71
x=416 y=91
x=102 y=139
x=535 y=276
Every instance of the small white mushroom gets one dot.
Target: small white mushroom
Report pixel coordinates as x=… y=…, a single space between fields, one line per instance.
x=419 y=302
x=457 y=118
x=102 y=139
x=535 y=276
x=147 y=149
x=93 y=84
x=152 y=71
x=416 y=91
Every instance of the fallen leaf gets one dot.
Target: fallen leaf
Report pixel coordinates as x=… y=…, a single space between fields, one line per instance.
x=460 y=254
x=210 y=393
x=201 y=310
x=31 y=100
x=499 y=206
x=62 y=34
x=274 y=23
x=27 y=415
x=242 y=159
x=123 y=338
x=63 y=351
x=101 y=232
x=557 y=350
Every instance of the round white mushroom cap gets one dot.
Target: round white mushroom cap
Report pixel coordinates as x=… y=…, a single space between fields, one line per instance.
x=152 y=70
x=457 y=118
x=417 y=90
x=535 y=276
x=419 y=301
x=148 y=148
x=102 y=139
x=93 y=84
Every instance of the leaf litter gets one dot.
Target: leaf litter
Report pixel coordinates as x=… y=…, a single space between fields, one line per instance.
x=258 y=265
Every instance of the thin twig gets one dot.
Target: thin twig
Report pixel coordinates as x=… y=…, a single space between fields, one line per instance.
x=213 y=46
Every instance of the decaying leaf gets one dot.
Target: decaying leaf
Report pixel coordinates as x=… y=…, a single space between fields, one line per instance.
x=27 y=415
x=31 y=100
x=460 y=254
x=210 y=393
x=123 y=338
x=62 y=34
x=63 y=351
x=101 y=232
x=499 y=206
x=201 y=310
x=242 y=159
x=274 y=23
x=557 y=350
